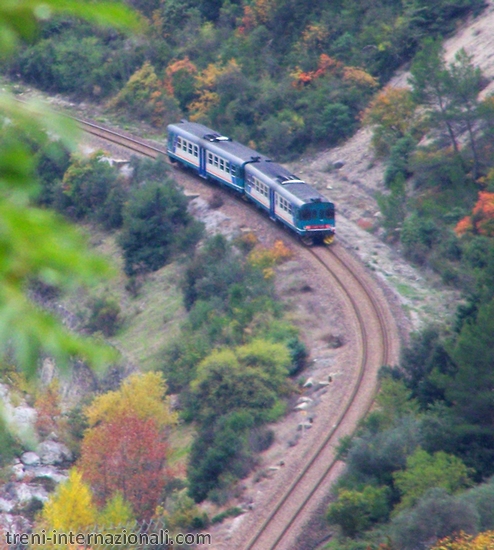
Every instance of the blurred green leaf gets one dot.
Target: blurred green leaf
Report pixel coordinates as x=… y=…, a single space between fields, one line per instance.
x=19 y=19
x=35 y=243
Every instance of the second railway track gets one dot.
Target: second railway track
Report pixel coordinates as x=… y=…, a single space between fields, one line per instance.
x=378 y=344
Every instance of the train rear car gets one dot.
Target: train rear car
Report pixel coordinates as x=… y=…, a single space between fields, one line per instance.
x=210 y=154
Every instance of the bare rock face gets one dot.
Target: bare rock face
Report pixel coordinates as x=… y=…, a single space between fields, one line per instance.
x=6 y=505
x=26 y=492
x=52 y=453
x=30 y=459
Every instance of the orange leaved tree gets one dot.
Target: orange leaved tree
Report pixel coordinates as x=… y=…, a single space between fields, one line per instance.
x=481 y=220
x=126 y=455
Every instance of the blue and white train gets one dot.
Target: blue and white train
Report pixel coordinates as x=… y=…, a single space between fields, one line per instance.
x=284 y=196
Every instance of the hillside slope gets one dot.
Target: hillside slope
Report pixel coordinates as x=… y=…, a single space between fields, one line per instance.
x=353 y=187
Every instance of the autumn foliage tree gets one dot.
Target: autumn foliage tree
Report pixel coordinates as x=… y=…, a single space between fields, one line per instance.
x=124 y=450
x=207 y=96
x=141 y=395
x=71 y=506
x=147 y=97
x=481 y=221
x=126 y=455
x=179 y=81
x=462 y=541
x=392 y=115
x=48 y=409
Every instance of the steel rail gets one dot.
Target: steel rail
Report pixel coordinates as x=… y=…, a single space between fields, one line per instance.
x=120 y=139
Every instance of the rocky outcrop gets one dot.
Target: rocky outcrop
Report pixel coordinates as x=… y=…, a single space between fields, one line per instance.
x=54 y=453
x=34 y=475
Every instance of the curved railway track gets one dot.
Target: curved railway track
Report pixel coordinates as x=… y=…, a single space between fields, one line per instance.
x=378 y=345
x=286 y=519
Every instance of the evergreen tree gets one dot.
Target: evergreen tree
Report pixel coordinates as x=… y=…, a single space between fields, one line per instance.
x=472 y=388
x=450 y=93
x=156 y=225
x=431 y=84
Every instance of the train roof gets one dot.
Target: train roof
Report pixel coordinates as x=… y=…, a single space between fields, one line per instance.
x=215 y=141
x=288 y=185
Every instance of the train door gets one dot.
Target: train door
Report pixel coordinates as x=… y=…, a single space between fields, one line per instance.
x=271 y=203
x=202 y=162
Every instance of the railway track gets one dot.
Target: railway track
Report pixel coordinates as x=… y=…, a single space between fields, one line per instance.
x=377 y=345
x=311 y=485
x=135 y=145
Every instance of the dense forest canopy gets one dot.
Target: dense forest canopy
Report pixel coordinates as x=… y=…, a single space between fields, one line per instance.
x=282 y=74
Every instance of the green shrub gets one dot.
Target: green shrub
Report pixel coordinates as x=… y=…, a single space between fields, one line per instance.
x=105 y=316
x=435 y=516
x=156 y=226
x=88 y=183
x=417 y=237
x=397 y=165
x=229 y=513
x=356 y=511
x=424 y=471
x=393 y=207
x=219 y=450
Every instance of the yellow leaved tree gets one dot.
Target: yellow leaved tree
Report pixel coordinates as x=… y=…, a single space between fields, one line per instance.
x=142 y=395
x=71 y=507
x=483 y=541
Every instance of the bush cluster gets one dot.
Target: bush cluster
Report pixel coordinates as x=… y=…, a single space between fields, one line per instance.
x=231 y=362
x=412 y=465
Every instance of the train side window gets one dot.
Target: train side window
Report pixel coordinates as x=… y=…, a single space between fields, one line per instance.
x=210 y=158
x=190 y=148
x=196 y=151
x=222 y=164
x=227 y=167
x=179 y=143
x=285 y=205
x=215 y=160
x=234 y=170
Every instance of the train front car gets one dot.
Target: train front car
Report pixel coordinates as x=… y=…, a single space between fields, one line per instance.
x=291 y=201
x=315 y=220
x=313 y=214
